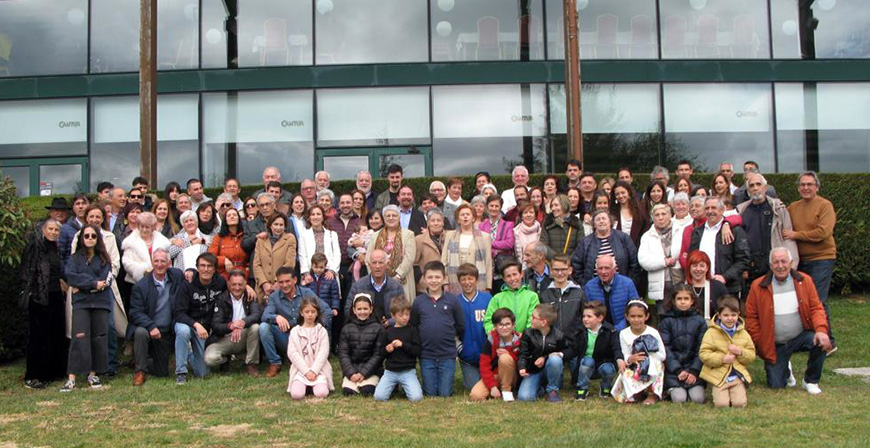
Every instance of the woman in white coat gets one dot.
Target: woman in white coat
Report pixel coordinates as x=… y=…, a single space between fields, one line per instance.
x=658 y=255
x=316 y=237
x=138 y=245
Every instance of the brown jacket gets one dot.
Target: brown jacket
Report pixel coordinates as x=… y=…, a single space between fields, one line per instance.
x=269 y=257
x=760 y=317
x=426 y=251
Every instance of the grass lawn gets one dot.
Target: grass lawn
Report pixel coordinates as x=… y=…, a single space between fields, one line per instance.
x=234 y=410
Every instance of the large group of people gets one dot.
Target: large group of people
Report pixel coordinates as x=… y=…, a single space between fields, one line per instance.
x=657 y=289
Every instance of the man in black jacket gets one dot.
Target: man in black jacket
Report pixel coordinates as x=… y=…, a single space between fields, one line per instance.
x=410 y=217
x=537 y=275
x=728 y=260
x=194 y=312
x=235 y=327
x=151 y=303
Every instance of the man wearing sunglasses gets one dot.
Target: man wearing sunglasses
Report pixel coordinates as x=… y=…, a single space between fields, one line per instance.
x=141 y=184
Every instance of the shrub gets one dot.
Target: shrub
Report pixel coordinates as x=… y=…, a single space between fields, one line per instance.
x=14 y=223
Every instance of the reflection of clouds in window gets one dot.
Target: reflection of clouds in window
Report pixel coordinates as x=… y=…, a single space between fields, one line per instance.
x=273 y=32
x=42 y=37
x=843 y=31
x=65 y=179
x=296 y=160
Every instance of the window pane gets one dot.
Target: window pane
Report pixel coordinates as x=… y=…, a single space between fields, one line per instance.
x=60 y=179
x=43 y=37
x=43 y=128
x=115 y=145
x=273 y=32
x=734 y=124
x=609 y=29
x=348 y=117
x=843 y=30
x=620 y=124
x=489 y=128
x=20 y=176
x=115 y=35
x=345 y=167
x=413 y=165
x=213 y=41
x=487 y=30
x=784 y=27
x=839 y=112
x=371 y=31
x=255 y=130
x=714 y=29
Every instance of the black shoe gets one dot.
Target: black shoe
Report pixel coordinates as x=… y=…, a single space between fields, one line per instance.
x=94 y=382
x=604 y=393
x=581 y=394
x=224 y=368
x=34 y=384
x=68 y=386
x=181 y=379
x=109 y=374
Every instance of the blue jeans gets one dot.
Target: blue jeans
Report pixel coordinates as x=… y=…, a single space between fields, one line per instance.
x=586 y=368
x=777 y=374
x=821 y=272
x=552 y=372
x=438 y=376
x=406 y=378
x=274 y=342
x=189 y=348
x=470 y=374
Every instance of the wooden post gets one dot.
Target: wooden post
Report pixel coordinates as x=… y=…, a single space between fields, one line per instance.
x=572 y=80
x=148 y=91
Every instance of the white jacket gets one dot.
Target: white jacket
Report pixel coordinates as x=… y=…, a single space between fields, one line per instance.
x=306 y=248
x=136 y=258
x=651 y=257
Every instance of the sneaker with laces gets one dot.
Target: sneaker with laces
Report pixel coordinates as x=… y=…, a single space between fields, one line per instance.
x=34 y=384
x=604 y=393
x=68 y=386
x=94 y=382
x=581 y=394
x=181 y=379
x=812 y=388
x=507 y=395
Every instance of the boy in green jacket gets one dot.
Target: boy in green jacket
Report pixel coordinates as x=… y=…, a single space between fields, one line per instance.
x=514 y=296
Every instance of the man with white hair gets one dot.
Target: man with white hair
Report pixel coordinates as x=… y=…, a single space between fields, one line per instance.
x=764 y=219
x=520 y=176
x=364 y=184
x=742 y=193
x=612 y=289
x=727 y=168
x=272 y=174
x=784 y=315
x=321 y=180
x=728 y=261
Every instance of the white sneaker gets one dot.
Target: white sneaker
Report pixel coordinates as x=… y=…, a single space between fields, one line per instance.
x=507 y=395
x=791 y=381
x=813 y=389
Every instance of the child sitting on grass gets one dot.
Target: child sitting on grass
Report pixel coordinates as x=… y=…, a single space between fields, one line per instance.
x=542 y=351
x=498 y=359
x=726 y=351
x=360 y=347
x=682 y=329
x=308 y=351
x=400 y=352
x=597 y=349
x=641 y=372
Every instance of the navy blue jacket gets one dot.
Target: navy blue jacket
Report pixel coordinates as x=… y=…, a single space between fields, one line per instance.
x=586 y=253
x=64 y=241
x=622 y=291
x=682 y=332
x=439 y=324
x=327 y=290
x=84 y=276
x=143 y=300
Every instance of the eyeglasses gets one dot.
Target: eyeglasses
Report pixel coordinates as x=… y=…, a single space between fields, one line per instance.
x=250 y=205
x=560 y=269
x=203 y=266
x=135 y=196
x=89 y=236
x=504 y=325
x=224 y=205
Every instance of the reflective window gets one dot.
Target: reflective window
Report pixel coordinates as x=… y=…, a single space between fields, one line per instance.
x=345 y=167
x=214 y=35
x=43 y=37
x=115 y=35
x=390 y=116
x=253 y=130
x=484 y=30
x=489 y=128
x=827 y=123
x=413 y=165
x=609 y=29
x=784 y=27
x=734 y=123
x=275 y=32
x=20 y=176
x=371 y=31
x=60 y=179
x=43 y=128
x=115 y=139
x=843 y=30
x=620 y=125
x=714 y=29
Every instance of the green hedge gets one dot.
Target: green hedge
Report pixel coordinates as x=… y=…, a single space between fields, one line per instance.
x=850 y=194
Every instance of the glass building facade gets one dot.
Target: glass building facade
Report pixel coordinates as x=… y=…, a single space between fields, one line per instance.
x=440 y=86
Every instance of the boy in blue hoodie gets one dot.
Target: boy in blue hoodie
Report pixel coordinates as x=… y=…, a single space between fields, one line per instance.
x=474 y=303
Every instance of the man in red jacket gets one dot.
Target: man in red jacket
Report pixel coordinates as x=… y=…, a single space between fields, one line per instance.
x=784 y=316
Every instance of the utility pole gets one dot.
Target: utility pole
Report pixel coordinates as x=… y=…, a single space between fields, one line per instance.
x=572 y=80
x=148 y=91
x=807 y=26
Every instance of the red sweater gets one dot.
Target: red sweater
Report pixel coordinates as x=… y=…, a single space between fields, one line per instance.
x=489 y=358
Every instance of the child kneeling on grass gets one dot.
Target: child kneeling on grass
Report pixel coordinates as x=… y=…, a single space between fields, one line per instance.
x=542 y=350
x=308 y=351
x=597 y=349
x=726 y=350
x=498 y=359
x=682 y=329
x=642 y=372
x=400 y=352
x=360 y=347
